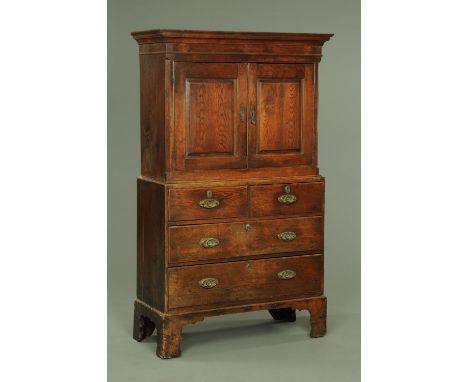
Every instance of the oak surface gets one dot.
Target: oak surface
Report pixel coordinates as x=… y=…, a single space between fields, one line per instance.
x=249 y=238
x=245 y=281
x=230 y=201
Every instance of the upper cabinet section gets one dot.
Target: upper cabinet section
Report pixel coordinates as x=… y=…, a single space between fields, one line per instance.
x=228 y=105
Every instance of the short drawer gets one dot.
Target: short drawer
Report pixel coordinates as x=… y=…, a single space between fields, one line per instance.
x=286 y=235
x=287 y=199
x=229 y=240
x=207 y=203
x=236 y=282
x=207 y=241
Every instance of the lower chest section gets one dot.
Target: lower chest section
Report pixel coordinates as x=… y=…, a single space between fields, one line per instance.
x=212 y=245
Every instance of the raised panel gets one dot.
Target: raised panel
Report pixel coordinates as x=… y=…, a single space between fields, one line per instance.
x=211 y=123
x=209 y=132
x=279 y=116
x=282 y=115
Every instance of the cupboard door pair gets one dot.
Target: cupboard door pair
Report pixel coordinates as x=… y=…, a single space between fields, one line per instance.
x=230 y=115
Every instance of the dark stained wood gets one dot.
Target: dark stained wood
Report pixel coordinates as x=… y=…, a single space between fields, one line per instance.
x=282 y=97
x=211 y=117
x=283 y=314
x=284 y=173
x=245 y=281
x=249 y=238
x=264 y=239
x=170 y=325
x=152 y=108
x=279 y=116
x=167 y=35
x=208 y=130
x=310 y=199
x=151 y=244
x=184 y=203
x=142 y=326
x=184 y=242
x=230 y=116
x=217 y=46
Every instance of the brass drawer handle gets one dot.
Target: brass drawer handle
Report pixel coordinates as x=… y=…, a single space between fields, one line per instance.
x=209 y=202
x=286 y=274
x=287 y=198
x=287 y=235
x=209 y=242
x=209 y=282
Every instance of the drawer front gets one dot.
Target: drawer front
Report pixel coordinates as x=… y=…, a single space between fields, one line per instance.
x=287 y=199
x=229 y=240
x=286 y=235
x=234 y=283
x=207 y=203
x=207 y=241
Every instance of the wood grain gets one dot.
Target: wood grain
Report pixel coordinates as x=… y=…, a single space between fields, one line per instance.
x=281 y=134
x=208 y=131
x=151 y=249
x=249 y=238
x=184 y=242
x=197 y=143
x=170 y=325
x=310 y=199
x=184 y=203
x=237 y=283
x=279 y=116
x=263 y=235
x=152 y=116
x=211 y=124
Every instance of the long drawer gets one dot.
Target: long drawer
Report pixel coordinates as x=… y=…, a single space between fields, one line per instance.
x=250 y=238
x=235 y=282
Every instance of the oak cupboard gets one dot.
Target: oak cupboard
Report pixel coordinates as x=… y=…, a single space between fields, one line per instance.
x=230 y=207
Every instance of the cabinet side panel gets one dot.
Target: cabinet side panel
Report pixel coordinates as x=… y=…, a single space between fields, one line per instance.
x=151 y=243
x=152 y=115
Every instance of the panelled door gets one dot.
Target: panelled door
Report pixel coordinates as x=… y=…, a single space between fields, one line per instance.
x=281 y=115
x=210 y=115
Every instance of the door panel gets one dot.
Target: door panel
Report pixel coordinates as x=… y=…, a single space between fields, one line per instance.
x=279 y=116
x=210 y=132
x=281 y=123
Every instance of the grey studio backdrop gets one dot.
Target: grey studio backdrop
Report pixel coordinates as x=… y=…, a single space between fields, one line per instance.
x=247 y=346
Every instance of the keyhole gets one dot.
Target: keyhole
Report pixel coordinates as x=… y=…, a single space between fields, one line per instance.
x=248 y=267
x=248 y=227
